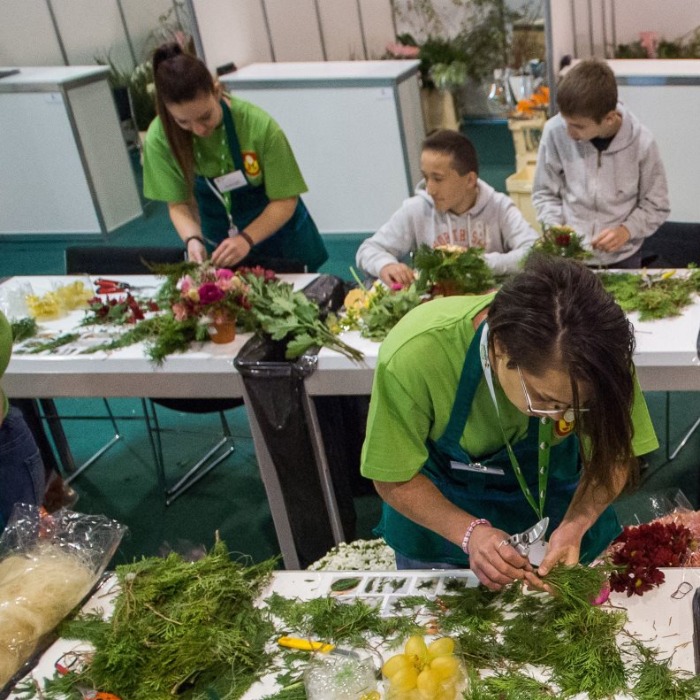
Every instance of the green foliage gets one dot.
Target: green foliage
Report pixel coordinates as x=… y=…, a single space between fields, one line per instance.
x=654 y=296
x=452 y=270
x=23 y=328
x=385 y=309
x=561 y=242
x=289 y=316
x=34 y=347
x=178 y=628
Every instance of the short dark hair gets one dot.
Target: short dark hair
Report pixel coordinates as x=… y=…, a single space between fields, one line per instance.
x=557 y=312
x=457 y=146
x=589 y=89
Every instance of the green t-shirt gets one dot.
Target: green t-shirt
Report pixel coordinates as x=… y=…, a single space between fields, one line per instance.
x=415 y=383
x=267 y=157
x=5 y=353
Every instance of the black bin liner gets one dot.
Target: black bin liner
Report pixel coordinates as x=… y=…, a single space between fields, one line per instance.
x=275 y=387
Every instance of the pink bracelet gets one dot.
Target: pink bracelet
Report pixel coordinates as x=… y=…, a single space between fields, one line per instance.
x=470 y=529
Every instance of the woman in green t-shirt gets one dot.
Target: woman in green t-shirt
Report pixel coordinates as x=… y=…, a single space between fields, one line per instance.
x=227 y=172
x=478 y=429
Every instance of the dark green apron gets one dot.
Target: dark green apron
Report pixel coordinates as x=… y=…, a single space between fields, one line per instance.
x=496 y=497
x=298 y=241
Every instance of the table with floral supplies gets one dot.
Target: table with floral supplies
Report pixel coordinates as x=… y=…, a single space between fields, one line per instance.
x=661 y=620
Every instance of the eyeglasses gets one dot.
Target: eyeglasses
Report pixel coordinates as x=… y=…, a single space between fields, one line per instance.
x=568 y=413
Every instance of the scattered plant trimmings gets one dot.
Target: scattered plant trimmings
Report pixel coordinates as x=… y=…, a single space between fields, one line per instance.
x=562 y=242
x=449 y=269
x=23 y=328
x=179 y=628
x=653 y=295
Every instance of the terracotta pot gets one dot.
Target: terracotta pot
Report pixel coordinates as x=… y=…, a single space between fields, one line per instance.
x=447 y=288
x=222 y=331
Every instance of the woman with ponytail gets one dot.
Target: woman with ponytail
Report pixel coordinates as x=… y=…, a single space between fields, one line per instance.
x=227 y=172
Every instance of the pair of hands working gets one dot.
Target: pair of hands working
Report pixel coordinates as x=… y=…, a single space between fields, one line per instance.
x=497 y=563
x=228 y=253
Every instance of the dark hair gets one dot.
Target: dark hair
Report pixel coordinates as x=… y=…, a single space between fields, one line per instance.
x=179 y=77
x=589 y=89
x=457 y=146
x=556 y=311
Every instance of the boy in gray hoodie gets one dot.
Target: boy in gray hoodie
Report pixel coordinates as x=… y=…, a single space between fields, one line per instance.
x=452 y=206
x=599 y=170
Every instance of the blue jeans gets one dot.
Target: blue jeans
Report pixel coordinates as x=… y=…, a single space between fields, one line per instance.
x=403 y=563
x=22 y=478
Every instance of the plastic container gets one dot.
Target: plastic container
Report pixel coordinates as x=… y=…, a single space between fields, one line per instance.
x=526 y=139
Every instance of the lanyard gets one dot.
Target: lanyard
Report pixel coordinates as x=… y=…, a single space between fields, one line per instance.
x=544 y=437
x=224 y=198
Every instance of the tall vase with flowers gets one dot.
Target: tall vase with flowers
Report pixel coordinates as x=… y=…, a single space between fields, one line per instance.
x=214 y=295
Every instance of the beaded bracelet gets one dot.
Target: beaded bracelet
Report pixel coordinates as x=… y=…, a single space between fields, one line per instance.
x=193 y=238
x=470 y=530
x=246 y=237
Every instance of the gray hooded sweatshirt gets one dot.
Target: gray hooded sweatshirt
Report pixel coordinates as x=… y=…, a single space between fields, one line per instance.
x=575 y=184
x=494 y=223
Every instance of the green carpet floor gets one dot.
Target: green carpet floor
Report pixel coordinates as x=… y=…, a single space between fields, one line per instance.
x=231 y=499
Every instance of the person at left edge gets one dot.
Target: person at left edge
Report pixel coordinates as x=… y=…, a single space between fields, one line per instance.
x=226 y=170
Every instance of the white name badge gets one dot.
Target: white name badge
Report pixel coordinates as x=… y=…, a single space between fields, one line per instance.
x=476 y=467
x=230 y=181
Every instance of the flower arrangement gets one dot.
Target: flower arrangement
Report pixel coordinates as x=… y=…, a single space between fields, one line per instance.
x=213 y=294
x=447 y=270
x=375 y=311
x=563 y=242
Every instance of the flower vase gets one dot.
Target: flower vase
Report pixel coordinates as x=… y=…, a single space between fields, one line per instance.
x=222 y=331
x=448 y=288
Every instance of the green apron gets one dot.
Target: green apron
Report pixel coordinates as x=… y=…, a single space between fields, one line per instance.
x=298 y=241
x=494 y=496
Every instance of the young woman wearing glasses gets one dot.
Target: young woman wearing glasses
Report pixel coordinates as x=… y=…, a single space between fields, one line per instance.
x=478 y=429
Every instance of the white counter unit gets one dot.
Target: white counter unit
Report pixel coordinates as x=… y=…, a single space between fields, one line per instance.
x=356 y=128
x=665 y=95
x=66 y=168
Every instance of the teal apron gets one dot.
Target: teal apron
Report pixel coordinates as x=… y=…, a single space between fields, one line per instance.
x=496 y=497
x=298 y=241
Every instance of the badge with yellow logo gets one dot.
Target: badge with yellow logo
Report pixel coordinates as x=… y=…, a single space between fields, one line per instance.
x=251 y=163
x=562 y=427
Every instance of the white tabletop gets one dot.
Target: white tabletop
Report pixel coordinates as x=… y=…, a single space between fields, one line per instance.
x=204 y=370
x=50 y=78
x=659 y=620
x=322 y=71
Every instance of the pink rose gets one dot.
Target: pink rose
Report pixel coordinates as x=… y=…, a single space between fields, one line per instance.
x=223 y=273
x=180 y=311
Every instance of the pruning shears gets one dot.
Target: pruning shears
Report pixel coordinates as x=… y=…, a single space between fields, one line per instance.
x=106 y=286
x=522 y=541
x=311 y=645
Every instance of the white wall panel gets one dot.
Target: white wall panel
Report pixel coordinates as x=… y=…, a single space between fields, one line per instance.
x=341 y=29
x=90 y=29
x=232 y=30
x=671 y=18
x=295 y=31
x=27 y=36
x=379 y=26
x=142 y=22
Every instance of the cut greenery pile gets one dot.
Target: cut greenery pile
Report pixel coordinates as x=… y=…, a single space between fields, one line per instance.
x=192 y=631
x=653 y=295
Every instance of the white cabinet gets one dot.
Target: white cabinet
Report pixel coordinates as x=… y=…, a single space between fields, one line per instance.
x=356 y=128
x=664 y=94
x=65 y=165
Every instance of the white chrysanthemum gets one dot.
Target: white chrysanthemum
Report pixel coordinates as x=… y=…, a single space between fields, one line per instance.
x=360 y=555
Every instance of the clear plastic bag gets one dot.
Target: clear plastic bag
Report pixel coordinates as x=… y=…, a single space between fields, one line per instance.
x=48 y=564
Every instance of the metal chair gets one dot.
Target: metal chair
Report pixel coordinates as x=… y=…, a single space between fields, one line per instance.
x=115 y=260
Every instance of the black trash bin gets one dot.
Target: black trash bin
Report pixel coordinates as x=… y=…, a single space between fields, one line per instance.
x=275 y=387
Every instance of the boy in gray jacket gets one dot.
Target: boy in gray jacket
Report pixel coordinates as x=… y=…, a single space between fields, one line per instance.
x=599 y=169
x=451 y=207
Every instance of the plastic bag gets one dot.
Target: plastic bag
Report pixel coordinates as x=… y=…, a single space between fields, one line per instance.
x=48 y=564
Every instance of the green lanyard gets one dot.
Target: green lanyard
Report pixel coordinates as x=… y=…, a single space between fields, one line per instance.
x=223 y=197
x=544 y=438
